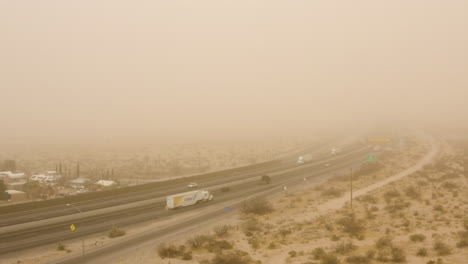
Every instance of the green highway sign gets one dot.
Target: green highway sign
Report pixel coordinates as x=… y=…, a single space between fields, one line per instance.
x=372 y=158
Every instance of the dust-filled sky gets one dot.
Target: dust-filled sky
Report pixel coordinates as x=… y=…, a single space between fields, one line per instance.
x=82 y=71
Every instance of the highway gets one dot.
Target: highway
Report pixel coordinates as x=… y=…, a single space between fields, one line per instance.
x=40 y=235
x=158 y=191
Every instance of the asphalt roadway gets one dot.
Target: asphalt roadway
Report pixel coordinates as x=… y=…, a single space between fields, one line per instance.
x=40 y=235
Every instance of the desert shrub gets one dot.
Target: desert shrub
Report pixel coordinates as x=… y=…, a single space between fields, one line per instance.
x=284 y=231
x=412 y=192
x=463 y=239
x=422 y=252
x=441 y=248
x=369 y=214
x=398 y=255
x=292 y=254
x=218 y=245
x=370 y=254
x=232 y=257
x=254 y=242
x=252 y=225
x=369 y=199
x=318 y=253
x=397 y=205
x=329 y=258
x=272 y=245
x=358 y=259
x=116 y=232
x=390 y=194
x=199 y=240
x=170 y=251
x=351 y=224
x=258 y=206
x=187 y=255
x=384 y=242
x=439 y=208
x=449 y=185
x=417 y=237
x=439 y=261
x=61 y=246
x=344 y=247
x=332 y=192
x=335 y=238
x=222 y=230
x=384 y=254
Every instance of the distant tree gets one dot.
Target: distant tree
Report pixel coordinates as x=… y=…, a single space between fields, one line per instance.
x=3 y=194
x=33 y=189
x=9 y=165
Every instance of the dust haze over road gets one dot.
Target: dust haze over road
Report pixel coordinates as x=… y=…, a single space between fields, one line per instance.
x=220 y=70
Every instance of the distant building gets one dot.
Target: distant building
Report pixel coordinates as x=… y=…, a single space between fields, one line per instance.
x=78 y=182
x=105 y=183
x=17 y=196
x=16 y=185
x=48 y=177
x=12 y=176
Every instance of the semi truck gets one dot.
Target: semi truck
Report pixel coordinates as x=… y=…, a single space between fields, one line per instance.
x=187 y=198
x=304 y=159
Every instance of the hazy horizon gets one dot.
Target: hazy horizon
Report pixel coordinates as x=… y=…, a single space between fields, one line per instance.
x=183 y=71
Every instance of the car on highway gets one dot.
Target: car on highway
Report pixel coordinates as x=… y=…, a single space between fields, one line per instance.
x=192 y=185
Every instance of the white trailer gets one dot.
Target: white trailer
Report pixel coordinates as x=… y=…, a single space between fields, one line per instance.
x=187 y=198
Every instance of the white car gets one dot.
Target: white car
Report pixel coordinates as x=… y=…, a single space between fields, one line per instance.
x=192 y=185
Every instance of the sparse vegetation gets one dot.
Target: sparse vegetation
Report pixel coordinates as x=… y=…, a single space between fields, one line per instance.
x=61 y=246
x=171 y=251
x=391 y=194
x=358 y=259
x=369 y=199
x=218 y=245
x=199 y=240
x=222 y=230
x=422 y=252
x=412 y=192
x=345 y=247
x=251 y=225
x=439 y=208
x=232 y=257
x=352 y=225
x=116 y=232
x=441 y=248
x=318 y=253
x=417 y=237
x=332 y=192
x=259 y=206
x=329 y=258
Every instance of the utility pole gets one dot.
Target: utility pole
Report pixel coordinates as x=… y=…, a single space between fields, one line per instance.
x=351 y=188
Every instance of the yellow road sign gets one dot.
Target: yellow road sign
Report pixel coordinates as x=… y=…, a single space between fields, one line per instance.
x=72 y=227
